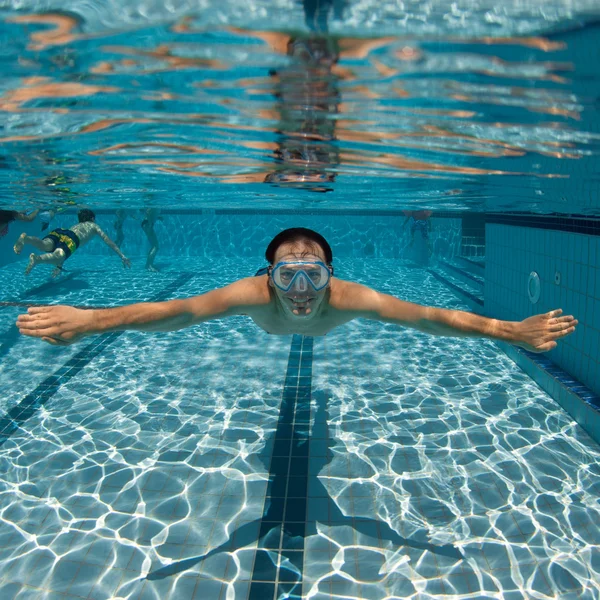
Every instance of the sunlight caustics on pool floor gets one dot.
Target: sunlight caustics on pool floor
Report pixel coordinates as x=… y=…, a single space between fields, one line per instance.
x=221 y=462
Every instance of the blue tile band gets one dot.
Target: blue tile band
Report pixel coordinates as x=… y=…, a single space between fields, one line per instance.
x=279 y=558
x=575 y=386
x=31 y=403
x=571 y=223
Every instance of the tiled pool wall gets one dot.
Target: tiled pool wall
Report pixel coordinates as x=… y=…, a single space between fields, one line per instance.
x=214 y=235
x=568 y=268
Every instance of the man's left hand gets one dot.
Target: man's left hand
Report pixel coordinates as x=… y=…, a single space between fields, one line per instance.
x=540 y=332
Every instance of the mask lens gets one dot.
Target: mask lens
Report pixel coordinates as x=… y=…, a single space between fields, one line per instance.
x=300 y=275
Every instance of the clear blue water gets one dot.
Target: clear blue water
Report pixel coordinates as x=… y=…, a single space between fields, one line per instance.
x=220 y=462
x=432 y=467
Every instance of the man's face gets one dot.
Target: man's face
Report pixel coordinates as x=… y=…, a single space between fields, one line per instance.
x=300 y=302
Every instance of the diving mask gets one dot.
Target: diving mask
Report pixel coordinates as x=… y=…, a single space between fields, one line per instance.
x=300 y=275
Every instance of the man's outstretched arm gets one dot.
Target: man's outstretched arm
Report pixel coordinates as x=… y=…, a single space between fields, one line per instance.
x=537 y=334
x=64 y=325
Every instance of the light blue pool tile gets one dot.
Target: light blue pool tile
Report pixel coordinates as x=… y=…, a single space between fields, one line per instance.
x=9 y=591
x=136 y=561
x=62 y=575
x=185 y=587
x=40 y=571
x=100 y=551
x=207 y=588
x=513 y=595
x=85 y=580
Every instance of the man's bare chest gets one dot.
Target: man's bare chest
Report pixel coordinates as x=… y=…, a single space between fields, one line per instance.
x=280 y=325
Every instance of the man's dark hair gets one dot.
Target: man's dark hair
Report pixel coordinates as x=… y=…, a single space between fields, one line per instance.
x=298 y=234
x=85 y=214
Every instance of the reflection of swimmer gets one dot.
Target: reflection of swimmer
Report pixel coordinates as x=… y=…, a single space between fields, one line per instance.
x=297 y=294
x=8 y=216
x=308 y=99
x=418 y=221
x=59 y=244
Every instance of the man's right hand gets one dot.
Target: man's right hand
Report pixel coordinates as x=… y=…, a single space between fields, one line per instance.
x=57 y=325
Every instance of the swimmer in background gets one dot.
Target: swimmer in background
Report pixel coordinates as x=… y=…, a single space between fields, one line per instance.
x=120 y=236
x=59 y=244
x=8 y=216
x=150 y=218
x=295 y=294
x=151 y=215
x=419 y=221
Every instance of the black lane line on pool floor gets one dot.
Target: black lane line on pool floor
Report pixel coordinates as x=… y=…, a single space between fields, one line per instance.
x=31 y=403
x=282 y=526
x=279 y=557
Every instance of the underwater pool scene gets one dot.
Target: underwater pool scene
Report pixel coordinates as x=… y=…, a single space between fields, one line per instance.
x=449 y=154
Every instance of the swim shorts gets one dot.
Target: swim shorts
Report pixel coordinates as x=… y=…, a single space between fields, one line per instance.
x=64 y=239
x=422 y=226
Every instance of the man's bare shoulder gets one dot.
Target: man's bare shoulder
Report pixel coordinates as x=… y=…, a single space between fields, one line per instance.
x=248 y=292
x=86 y=229
x=351 y=296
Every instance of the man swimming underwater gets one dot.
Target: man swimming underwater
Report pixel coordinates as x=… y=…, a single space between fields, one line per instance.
x=296 y=294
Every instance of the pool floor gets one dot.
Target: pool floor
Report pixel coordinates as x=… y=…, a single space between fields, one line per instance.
x=220 y=462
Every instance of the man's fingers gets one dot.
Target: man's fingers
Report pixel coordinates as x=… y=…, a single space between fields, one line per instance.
x=563 y=323
x=54 y=341
x=566 y=331
x=562 y=333
x=564 y=319
x=33 y=320
x=34 y=325
x=33 y=332
x=36 y=310
x=555 y=313
x=547 y=346
x=37 y=318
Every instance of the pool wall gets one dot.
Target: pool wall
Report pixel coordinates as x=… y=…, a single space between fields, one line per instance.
x=567 y=265
x=213 y=235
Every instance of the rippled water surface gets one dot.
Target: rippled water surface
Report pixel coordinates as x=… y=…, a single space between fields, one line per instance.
x=283 y=105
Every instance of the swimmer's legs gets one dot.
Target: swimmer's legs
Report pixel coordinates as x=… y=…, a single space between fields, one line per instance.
x=56 y=258
x=151 y=235
x=45 y=245
x=120 y=236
